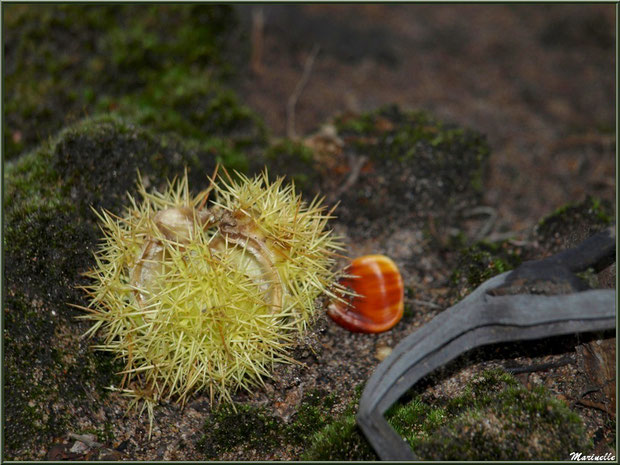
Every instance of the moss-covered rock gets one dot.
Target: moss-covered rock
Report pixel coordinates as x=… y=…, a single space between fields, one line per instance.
x=254 y=429
x=295 y=160
x=50 y=234
x=242 y=426
x=482 y=261
x=414 y=168
x=162 y=64
x=495 y=418
x=194 y=105
x=574 y=222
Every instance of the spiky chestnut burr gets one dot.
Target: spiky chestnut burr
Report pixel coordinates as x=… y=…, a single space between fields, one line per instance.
x=208 y=298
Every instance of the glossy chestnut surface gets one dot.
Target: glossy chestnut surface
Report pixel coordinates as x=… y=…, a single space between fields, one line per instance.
x=380 y=301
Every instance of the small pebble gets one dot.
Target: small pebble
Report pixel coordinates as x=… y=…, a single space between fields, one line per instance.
x=382 y=352
x=79 y=447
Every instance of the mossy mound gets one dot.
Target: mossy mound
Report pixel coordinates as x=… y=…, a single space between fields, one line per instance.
x=162 y=65
x=95 y=163
x=482 y=261
x=49 y=237
x=415 y=168
x=574 y=222
x=297 y=161
x=245 y=426
x=194 y=105
x=254 y=432
x=495 y=418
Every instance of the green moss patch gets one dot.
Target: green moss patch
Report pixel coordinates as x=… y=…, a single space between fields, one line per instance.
x=255 y=429
x=162 y=65
x=482 y=261
x=296 y=161
x=50 y=234
x=592 y=211
x=313 y=413
x=495 y=418
x=194 y=105
x=415 y=168
x=395 y=134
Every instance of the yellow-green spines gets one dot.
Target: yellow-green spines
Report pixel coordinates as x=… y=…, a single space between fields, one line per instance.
x=197 y=296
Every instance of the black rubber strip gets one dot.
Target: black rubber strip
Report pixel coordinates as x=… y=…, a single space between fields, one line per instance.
x=482 y=319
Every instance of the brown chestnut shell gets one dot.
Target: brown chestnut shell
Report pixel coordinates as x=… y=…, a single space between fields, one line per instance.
x=379 y=301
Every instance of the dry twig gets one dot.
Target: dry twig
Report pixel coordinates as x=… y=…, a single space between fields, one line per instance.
x=258 y=22
x=86 y=439
x=292 y=100
x=426 y=303
x=356 y=164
